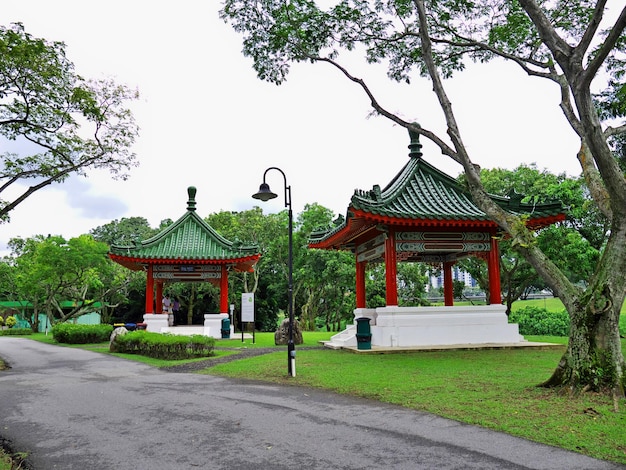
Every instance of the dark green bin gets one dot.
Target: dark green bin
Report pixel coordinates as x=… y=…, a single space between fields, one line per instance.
x=225 y=328
x=363 y=333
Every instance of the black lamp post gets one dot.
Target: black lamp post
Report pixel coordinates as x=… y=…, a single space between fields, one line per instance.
x=265 y=194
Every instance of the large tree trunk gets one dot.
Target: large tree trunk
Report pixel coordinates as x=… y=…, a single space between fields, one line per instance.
x=594 y=359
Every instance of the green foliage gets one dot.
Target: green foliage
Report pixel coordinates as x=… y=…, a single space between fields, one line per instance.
x=50 y=270
x=10 y=321
x=572 y=253
x=572 y=245
x=16 y=332
x=538 y=321
x=163 y=346
x=71 y=124
x=123 y=232
x=70 y=333
x=268 y=281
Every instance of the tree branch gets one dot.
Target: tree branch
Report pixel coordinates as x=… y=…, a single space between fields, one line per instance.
x=608 y=44
x=561 y=50
x=611 y=131
x=594 y=182
x=445 y=148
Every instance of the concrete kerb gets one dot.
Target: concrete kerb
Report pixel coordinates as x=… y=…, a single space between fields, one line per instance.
x=448 y=347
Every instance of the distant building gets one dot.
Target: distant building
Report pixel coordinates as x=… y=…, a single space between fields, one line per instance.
x=436 y=282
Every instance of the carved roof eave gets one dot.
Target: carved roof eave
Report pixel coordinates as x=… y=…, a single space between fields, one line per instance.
x=243 y=264
x=360 y=222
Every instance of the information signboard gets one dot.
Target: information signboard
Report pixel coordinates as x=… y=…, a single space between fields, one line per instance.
x=247 y=307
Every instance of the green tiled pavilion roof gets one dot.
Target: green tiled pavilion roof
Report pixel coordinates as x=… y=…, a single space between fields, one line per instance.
x=188 y=240
x=420 y=195
x=421 y=191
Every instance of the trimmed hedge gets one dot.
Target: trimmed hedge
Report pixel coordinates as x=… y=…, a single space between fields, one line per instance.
x=16 y=332
x=538 y=321
x=70 y=333
x=163 y=346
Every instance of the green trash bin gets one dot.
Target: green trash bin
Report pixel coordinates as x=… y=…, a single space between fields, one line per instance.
x=225 y=328
x=363 y=333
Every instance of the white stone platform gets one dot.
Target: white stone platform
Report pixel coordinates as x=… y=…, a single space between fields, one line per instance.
x=162 y=323
x=410 y=327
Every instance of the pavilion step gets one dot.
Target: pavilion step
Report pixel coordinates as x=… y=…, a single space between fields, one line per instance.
x=184 y=330
x=346 y=338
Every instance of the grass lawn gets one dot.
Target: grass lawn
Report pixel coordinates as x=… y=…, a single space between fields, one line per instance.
x=491 y=388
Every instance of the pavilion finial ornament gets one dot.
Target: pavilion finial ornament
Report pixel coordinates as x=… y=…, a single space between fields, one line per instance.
x=415 y=146
x=191 y=203
x=515 y=198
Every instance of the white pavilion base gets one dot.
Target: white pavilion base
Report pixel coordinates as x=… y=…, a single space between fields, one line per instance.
x=156 y=321
x=160 y=323
x=213 y=324
x=406 y=327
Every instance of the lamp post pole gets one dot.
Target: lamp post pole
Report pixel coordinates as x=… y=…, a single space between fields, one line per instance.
x=265 y=194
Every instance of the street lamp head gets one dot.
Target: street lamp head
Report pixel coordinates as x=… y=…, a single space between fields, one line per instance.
x=265 y=193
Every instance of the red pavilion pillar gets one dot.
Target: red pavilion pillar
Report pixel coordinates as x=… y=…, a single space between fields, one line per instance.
x=391 y=270
x=224 y=290
x=448 y=284
x=149 y=291
x=159 y=297
x=493 y=267
x=360 y=284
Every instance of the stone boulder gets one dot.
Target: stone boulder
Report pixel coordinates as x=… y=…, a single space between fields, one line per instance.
x=281 y=336
x=120 y=330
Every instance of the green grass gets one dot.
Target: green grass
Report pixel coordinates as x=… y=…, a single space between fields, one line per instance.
x=5 y=461
x=266 y=340
x=554 y=304
x=491 y=388
x=11 y=461
x=551 y=304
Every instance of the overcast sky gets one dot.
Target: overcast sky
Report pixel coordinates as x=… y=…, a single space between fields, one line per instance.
x=207 y=121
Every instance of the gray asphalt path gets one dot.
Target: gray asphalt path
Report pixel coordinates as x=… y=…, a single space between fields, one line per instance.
x=74 y=409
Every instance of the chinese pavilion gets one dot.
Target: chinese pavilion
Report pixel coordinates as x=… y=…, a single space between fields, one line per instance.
x=189 y=250
x=427 y=216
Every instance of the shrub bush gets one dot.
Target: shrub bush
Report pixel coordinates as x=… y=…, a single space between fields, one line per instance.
x=16 y=332
x=163 y=346
x=10 y=321
x=538 y=321
x=70 y=333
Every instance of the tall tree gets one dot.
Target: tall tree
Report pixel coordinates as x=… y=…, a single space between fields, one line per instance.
x=52 y=270
x=124 y=231
x=265 y=230
x=324 y=280
x=563 y=42
x=48 y=111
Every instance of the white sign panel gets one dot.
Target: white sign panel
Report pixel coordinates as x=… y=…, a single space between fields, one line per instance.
x=247 y=307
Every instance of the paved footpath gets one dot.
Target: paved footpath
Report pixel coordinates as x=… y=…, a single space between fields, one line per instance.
x=75 y=409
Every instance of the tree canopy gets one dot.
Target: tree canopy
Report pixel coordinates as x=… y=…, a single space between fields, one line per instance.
x=50 y=271
x=59 y=123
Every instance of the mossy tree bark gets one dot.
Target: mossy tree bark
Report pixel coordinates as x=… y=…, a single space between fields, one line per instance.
x=594 y=358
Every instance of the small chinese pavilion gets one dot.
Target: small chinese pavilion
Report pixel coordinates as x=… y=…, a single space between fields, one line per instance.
x=424 y=215
x=189 y=250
